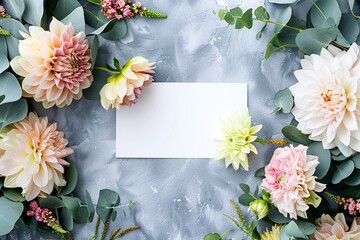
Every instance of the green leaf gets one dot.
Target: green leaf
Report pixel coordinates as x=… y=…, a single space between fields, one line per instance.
x=34 y=10
x=71 y=177
x=253 y=224
x=13 y=26
x=12 y=112
x=287 y=36
x=343 y=170
x=349 y=27
x=213 y=236
x=71 y=203
x=335 y=151
x=247 y=18
x=3 y=46
x=283 y=1
x=107 y=199
x=15 y=8
x=82 y=215
x=91 y=19
x=261 y=13
x=317 y=149
x=294 y=134
x=66 y=219
x=260 y=172
x=324 y=10
x=284 y=101
x=51 y=202
x=90 y=206
x=284 y=18
x=353 y=179
x=340 y=157
x=221 y=13
x=275 y=216
x=236 y=12
x=94 y=49
x=105 y=28
x=9 y=87
x=77 y=19
x=13 y=194
x=10 y=212
x=270 y=49
x=356 y=160
x=65 y=7
x=306 y=227
x=4 y=64
x=293 y=231
x=12 y=46
x=229 y=18
x=245 y=188
x=116 y=33
x=312 y=40
x=245 y=199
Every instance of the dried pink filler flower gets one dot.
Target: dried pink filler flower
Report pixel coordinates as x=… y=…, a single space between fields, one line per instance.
x=55 y=64
x=44 y=215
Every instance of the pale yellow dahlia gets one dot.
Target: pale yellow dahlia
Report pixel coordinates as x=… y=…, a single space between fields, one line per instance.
x=55 y=64
x=274 y=234
x=329 y=228
x=234 y=142
x=32 y=156
x=125 y=87
x=326 y=98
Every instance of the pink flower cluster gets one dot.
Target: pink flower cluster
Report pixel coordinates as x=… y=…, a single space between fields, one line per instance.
x=120 y=9
x=3 y=14
x=351 y=205
x=41 y=214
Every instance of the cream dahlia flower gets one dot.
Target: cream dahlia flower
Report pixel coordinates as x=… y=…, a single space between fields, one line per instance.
x=125 y=87
x=234 y=141
x=274 y=234
x=326 y=98
x=55 y=64
x=290 y=180
x=32 y=156
x=329 y=228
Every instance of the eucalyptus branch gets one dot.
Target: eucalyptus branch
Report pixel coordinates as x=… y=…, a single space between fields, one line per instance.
x=320 y=11
x=279 y=24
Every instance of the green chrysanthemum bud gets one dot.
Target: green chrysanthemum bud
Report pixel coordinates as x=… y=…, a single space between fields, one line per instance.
x=259 y=207
x=151 y=14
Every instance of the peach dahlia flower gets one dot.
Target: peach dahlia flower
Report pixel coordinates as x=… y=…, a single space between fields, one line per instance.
x=125 y=88
x=55 y=64
x=32 y=156
x=326 y=98
x=290 y=180
x=329 y=228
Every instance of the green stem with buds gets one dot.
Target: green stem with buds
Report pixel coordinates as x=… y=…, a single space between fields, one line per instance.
x=151 y=14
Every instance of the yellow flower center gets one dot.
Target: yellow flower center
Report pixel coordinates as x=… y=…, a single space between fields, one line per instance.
x=333 y=99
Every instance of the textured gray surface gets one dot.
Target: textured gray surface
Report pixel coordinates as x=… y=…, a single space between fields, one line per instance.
x=178 y=199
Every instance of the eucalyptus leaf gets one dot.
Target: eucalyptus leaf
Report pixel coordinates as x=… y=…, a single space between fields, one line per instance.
x=71 y=203
x=356 y=160
x=294 y=134
x=287 y=36
x=260 y=172
x=90 y=206
x=4 y=63
x=261 y=13
x=335 y=151
x=34 y=10
x=15 y=8
x=284 y=18
x=105 y=27
x=312 y=40
x=12 y=112
x=284 y=101
x=275 y=216
x=91 y=19
x=283 y=1
x=10 y=212
x=293 y=231
x=13 y=26
x=94 y=49
x=222 y=13
x=343 y=170
x=317 y=149
x=236 y=12
x=13 y=194
x=353 y=179
x=66 y=219
x=324 y=10
x=306 y=227
x=117 y=32
x=213 y=236
x=245 y=188
x=229 y=18
x=100 y=77
x=65 y=7
x=349 y=27
x=3 y=46
x=51 y=202
x=9 y=87
x=12 y=46
x=340 y=157
x=82 y=215
x=77 y=19
x=107 y=200
x=245 y=199
x=71 y=177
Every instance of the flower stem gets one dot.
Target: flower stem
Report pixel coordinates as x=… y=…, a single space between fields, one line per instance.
x=96 y=2
x=226 y=232
x=279 y=24
x=106 y=70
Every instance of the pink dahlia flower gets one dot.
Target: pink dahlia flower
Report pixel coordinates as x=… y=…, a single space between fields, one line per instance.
x=32 y=156
x=290 y=180
x=329 y=228
x=55 y=64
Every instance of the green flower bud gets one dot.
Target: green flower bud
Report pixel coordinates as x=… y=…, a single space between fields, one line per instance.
x=260 y=207
x=266 y=196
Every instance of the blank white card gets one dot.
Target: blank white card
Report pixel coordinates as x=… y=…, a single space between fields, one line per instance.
x=176 y=120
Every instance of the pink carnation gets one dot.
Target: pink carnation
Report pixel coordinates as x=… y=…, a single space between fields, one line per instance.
x=290 y=181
